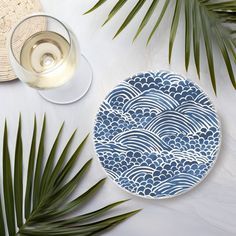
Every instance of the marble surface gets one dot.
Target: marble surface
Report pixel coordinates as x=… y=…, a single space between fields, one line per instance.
x=209 y=209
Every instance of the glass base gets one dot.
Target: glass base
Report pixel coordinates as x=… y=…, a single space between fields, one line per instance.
x=75 y=89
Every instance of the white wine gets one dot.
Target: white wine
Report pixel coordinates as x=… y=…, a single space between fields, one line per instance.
x=45 y=54
x=50 y=58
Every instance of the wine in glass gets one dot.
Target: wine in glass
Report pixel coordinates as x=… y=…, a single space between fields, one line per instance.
x=45 y=55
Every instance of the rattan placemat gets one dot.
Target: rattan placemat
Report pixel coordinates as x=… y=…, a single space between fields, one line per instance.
x=11 y=11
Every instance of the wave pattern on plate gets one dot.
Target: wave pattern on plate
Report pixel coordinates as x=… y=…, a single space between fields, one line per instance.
x=157 y=134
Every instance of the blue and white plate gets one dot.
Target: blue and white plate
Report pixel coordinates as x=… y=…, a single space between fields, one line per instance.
x=157 y=135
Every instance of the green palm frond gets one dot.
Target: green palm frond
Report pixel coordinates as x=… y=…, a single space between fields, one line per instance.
x=207 y=22
x=47 y=208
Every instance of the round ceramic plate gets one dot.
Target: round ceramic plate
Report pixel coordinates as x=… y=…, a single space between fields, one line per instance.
x=157 y=134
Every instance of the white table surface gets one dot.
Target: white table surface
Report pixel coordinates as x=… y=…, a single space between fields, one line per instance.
x=209 y=209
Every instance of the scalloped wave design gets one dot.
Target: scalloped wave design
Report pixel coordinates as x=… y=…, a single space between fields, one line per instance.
x=157 y=134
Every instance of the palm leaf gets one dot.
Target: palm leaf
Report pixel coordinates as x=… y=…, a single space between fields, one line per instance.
x=91 y=215
x=196 y=36
x=115 y=9
x=62 y=176
x=208 y=46
x=50 y=213
x=80 y=229
x=49 y=165
x=2 y=226
x=18 y=178
x=132 y=14
x=8 y=186
x=226 y=56
x=56 y=171
x=39 y=163
x=60 y=195
x=205 y=20
x=188 y=29
x=98 y=4
x=146 y=17
x=71 y=206
x=163 y=11
x=31 y=163
x=174 y=26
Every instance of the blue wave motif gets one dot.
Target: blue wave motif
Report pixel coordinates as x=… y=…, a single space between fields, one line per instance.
x=152 y=99
x=201 y=114
x=175 y=185
x=141 y=140
x=157 y=134
x=172 y=123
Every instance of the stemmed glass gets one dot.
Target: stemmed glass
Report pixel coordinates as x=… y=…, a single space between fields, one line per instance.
x=45 y=55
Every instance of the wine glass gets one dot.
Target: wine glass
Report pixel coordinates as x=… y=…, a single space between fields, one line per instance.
x=44 y=54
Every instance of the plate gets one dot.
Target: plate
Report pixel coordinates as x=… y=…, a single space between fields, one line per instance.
x=157 y=135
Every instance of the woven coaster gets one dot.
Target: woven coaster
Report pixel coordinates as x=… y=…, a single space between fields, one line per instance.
x=11 y=11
